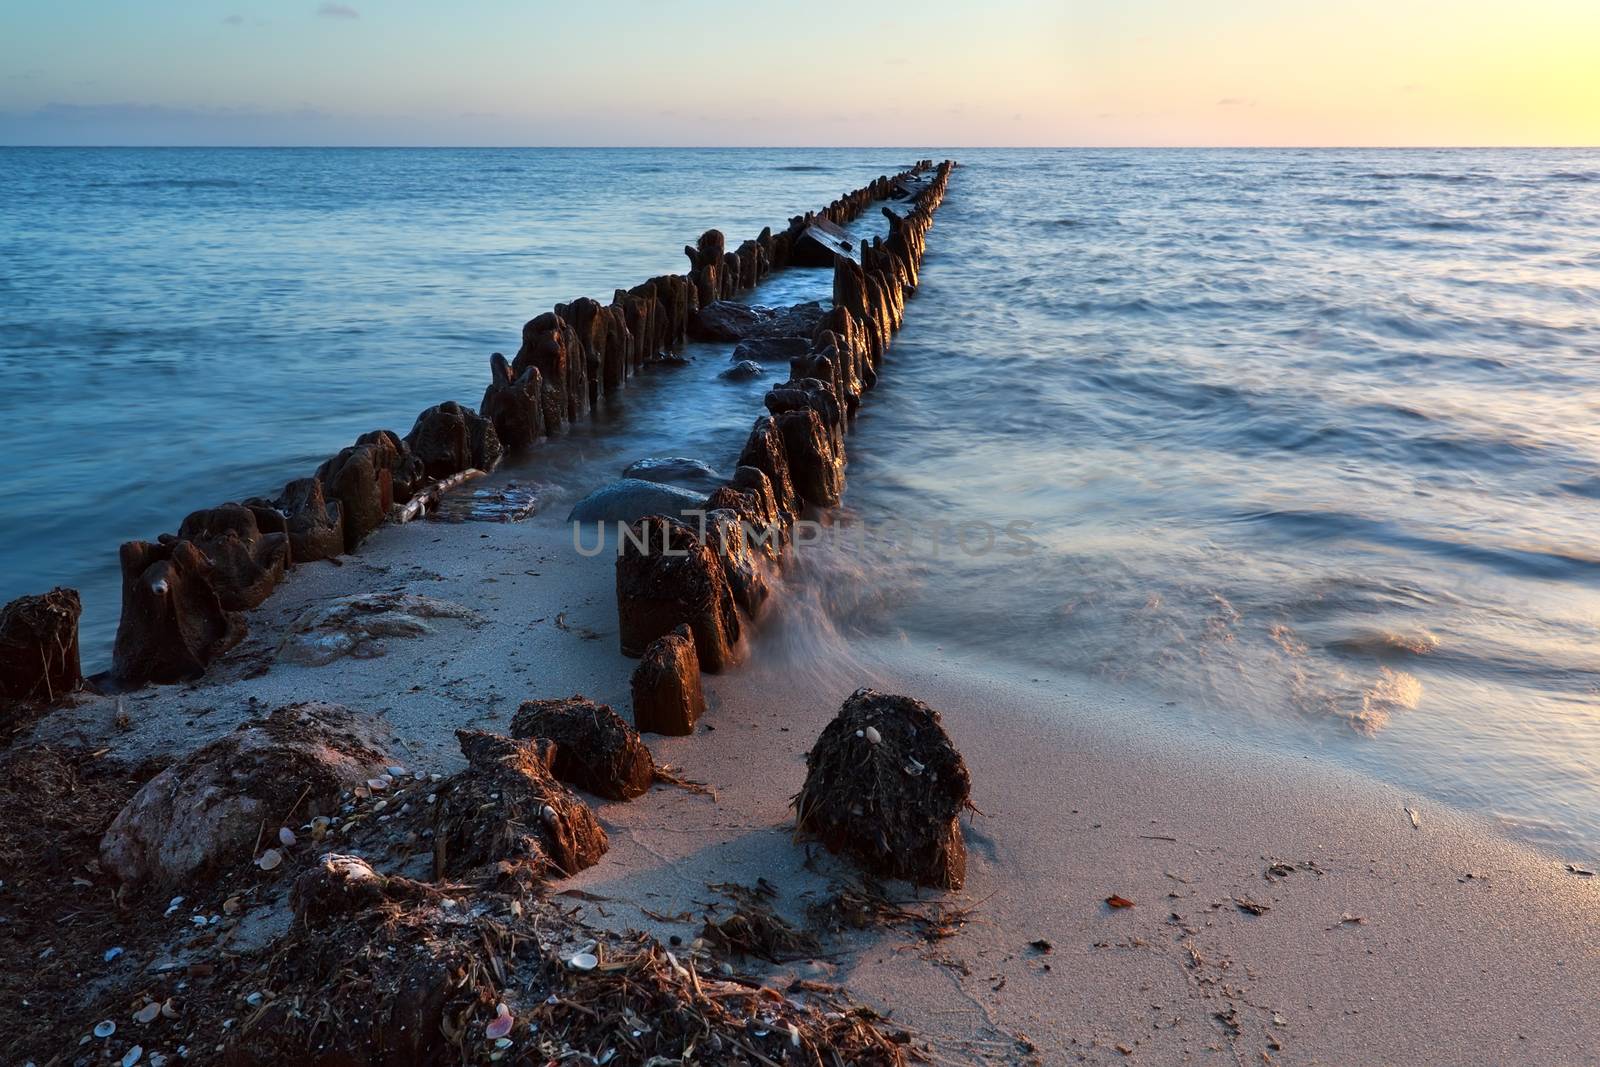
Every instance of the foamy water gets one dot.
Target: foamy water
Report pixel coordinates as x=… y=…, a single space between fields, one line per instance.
x=1304 y=442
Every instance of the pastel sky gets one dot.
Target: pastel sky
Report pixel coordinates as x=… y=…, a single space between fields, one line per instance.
x=776 y=72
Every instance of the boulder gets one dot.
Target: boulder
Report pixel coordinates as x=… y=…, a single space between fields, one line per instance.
x=173 y=624
x=667 y=697
x=246 y=564
x=744 y=371
x=514 y=405
x=729 y=320
x=814 y=462
x=675 y=470
x=357 y=626
x=208 y=810
x=315 y=523
x=666 y=577
x=771 y=349
x=39 y=647
x=630 y=499
x=885 y=786
x=765 y=451
x=449 y=439
x=508 y=810
x=596 y=750
x=363 y=484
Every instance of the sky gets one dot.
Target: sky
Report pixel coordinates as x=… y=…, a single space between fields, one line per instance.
x=822 y=72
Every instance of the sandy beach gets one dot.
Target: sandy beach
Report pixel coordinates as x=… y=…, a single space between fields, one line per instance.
x=1282 y=911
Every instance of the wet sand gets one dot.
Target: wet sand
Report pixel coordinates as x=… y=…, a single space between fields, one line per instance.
x=1381 y=941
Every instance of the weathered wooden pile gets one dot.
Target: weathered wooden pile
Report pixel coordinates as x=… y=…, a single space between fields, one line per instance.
x=671 y=575
x=184 y=595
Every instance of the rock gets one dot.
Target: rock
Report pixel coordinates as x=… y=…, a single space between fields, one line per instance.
x=630 y=499
x=449 y=439
x=816 y=466
x=744 y=371
x=666 y=577
x=667 y=698
x=246 y=564
x=749 y=496
x=316 y=524
x=207 y=811
x=356 y=626
x=39 y=647
x=730 y=541
x=771 y=349
x=363 y=484
x=595 y=749
x=514 y=405
x=675 y=470
x=765 y=451
x=339 y=884
x=893 y=804
x=173 y=624
x=728 y=320
x=507 y=808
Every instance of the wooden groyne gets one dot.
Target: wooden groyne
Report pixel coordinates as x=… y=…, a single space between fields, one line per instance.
x=185 y=596
x=711 y=579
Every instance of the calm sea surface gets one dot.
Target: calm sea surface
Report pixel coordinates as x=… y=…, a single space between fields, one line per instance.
x=1306 y=443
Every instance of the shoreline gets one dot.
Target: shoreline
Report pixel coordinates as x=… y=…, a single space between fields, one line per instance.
x=1076 y=807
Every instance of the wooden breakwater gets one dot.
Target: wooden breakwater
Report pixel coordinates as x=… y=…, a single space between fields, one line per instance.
x=185 y=596
x=713 y=579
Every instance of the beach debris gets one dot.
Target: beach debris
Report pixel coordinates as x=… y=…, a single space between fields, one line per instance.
x=1116 y=902
x=132 y=1056
x=148 y=1013
x=357 y=626
x=595 y=748
x=270 y=860
x=665 y=578
x=206 y=810
x=113 y=952
x=583 y=961
x=667 y=695
x=1349 y=920
x=755 y=929
x=1583 y=872
x=104 y=1028
x=1251 y=907
x=286 y=837
x=1416 y=819
x=39 y=647
x=857 y=799
x=511 y=502
x=1041 y=945
x=494 y=812
x=339 y=884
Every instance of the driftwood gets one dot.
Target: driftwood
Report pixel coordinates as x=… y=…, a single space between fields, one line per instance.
x=428 y=497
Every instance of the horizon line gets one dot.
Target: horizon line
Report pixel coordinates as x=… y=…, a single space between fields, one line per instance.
x=874 y=147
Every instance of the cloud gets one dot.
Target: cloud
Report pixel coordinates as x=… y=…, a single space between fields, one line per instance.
x=233 y=20
x=1235 y=101
x=338 y=11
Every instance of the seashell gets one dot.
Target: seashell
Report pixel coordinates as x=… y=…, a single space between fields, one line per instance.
x=104 y=1028
x=432 y=797
x=397 y=772
x=500 y=1026
x=380 y=805
x=286 y=836
x=232 y=905
x=198 y=920
x=419 y=776
x=254 y=999
x=873 y=736
x=502 y=1042
x=725 y=969
x=158 y=1059
x=168 y=1009
x=584 y=961
x=177 y=902
x=550 y=816
x=377 y=785
x=113 y=952
x=269 y=860
x=159 y=587
x=148 y=1013
x=319 y=827
x=861 y=733
x=516 y=909
x=132 y=1056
